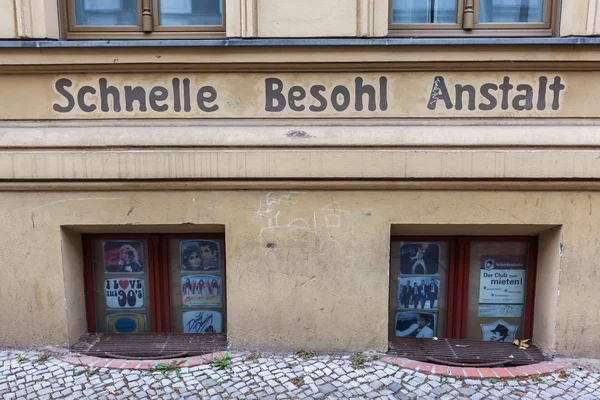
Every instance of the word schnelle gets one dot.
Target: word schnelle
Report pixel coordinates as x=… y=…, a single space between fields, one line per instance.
x=523 y=99
x=158 y=98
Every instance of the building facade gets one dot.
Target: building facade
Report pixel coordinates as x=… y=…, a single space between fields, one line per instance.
x=301 y=174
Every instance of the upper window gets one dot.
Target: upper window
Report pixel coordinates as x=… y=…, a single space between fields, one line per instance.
x=143 y=19
x=471 y=17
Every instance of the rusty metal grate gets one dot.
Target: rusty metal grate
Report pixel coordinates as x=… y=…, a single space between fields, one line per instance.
x=461 y=351
x=148 y=345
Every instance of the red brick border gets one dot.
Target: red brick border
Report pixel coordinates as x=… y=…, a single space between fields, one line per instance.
x=97 y=362
x=478 y=373
x=423 y=367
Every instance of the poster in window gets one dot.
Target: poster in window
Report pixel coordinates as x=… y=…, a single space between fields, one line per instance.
x=420 y=258
x=123 y=256
x=498 y=331
x=124 y=293
x=103 y=5
x=502 y=279
x=500 y=310
x=200 y=255
x=418 y=292
x=126 y=323
x=201 y=290
x=200 y=321
x=415 y=324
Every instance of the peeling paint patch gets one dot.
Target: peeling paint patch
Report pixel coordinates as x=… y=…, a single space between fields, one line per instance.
x=560 y=249
x=298 y=134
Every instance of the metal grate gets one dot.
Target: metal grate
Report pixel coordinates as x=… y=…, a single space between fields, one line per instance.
x=467 y=352
x=148 y=345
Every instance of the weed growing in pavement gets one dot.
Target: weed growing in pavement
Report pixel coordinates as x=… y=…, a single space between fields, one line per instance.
x=564 y=374
x=88 y=371
x=358 y=359
x=305 y=354
x=165 y=369
x=42 y=358
x=21 y=358
x=298 y=381
x=222 y=362
x=537 y=378
x=253 y=357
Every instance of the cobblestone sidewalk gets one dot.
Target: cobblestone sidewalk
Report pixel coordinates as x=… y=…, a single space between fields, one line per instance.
x=31 y=375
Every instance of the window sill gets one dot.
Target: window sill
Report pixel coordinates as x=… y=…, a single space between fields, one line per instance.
x=384 y=42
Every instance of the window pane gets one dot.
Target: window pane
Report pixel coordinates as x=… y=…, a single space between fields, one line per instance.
x=121 y=286
x=424 y=11
x=497 y=291
x=511 y=11
x=418 y=289
x=106 y=12
x=196 y=285
x=191 y=12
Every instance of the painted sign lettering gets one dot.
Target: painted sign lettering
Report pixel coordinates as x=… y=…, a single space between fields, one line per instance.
x=300 y=95
x=177 y=97
x=339 y=97
x=520 y=98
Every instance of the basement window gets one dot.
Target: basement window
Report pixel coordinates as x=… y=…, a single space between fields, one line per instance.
x=477 y=288
x=155 y=283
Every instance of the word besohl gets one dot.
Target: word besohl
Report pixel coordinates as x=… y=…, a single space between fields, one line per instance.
x=339 y=96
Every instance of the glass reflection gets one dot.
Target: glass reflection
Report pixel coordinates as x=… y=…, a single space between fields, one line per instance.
x=424 y=11
x=191 y=12
x=511 y=11
x=106 y=12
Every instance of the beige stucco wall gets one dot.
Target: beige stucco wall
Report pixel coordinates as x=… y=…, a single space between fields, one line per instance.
x=318 y=18
x=580 y=18
x=316 y=285
x=7 y=19
x=29 y=19
x=546 y=297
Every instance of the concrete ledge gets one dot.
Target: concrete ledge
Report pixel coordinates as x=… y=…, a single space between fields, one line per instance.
x=298 y=164
x=441 y=133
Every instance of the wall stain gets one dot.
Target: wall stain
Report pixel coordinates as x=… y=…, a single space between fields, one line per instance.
x=37 y=293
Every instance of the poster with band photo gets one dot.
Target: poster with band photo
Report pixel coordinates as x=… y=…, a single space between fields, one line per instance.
x=418 y=292
x=200 y=255
x=201 y=290
x=420 y=258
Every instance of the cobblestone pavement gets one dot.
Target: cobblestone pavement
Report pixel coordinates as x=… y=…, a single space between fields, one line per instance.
x=34 y=375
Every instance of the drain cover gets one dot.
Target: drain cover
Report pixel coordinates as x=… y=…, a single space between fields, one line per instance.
x=464 y=353
x=148 y=345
